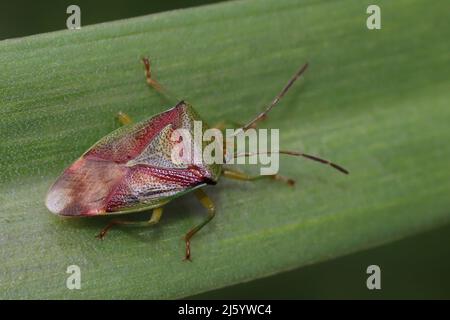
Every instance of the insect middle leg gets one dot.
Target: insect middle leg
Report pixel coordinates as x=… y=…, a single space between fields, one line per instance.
x=168 y=95
x=154 y=219
x=237 y=175
x=209 y=205
x=148 y=75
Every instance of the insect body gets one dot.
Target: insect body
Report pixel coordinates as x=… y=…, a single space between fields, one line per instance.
x=131 y=169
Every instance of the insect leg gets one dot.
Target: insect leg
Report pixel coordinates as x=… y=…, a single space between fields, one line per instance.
x=209 y=205
x=148 y=75
x=154 y=219
x=155 y=84
x=123 y=118
x=237 y=175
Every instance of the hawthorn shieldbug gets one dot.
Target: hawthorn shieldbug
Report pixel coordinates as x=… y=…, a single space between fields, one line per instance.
x=129 y=170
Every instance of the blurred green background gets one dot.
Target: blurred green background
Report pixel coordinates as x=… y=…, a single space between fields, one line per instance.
x=414 y=268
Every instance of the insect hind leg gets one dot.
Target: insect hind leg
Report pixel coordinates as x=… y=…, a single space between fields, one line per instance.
x=123 y=118
x=154 y=219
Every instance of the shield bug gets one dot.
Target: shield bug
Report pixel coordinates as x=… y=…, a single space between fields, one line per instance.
x=130 y=169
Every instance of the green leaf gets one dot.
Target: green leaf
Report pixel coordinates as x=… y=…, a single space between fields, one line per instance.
x=375 y=101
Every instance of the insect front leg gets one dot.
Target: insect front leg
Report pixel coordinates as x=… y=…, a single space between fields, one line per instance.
x=154 y=219
x=209 y=205
x=237 y=175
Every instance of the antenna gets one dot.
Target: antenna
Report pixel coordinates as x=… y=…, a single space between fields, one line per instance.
x=277 y=99
x=297 y=154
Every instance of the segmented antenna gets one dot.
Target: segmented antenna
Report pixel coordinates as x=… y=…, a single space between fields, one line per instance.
x=297 y=154
x=277 y=99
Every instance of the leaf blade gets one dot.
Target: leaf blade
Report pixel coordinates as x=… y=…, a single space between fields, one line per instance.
x=375 y=102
